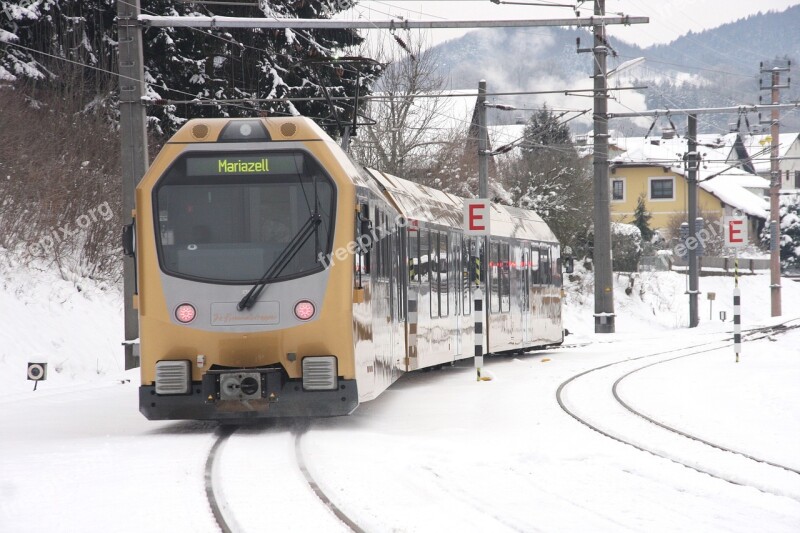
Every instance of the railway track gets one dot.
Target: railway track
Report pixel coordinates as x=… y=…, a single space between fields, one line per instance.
x=703 y=456
x=223 y=511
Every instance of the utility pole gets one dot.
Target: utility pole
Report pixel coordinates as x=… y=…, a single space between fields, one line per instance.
x=133 y=134
x=483 y=143
x=774 y=189
x=603 y=276
x=692 y=161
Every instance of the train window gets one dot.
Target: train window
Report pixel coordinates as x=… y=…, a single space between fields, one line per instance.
x=378 y=245
x=382 y=245
x=402 y=276
x=387 y=239
x=494 y=278
x=526 y=279
x=433 y=267
x=226 y=217
x=362 y=261
x=454 y=274
x=413 y=255
x=555 y=254
x=444 y=268
x=505 y=280
x=466 y=286
x=424 y=255
x=534 y=266
x=545 y=273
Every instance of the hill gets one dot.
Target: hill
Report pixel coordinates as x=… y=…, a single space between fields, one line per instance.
x=713 y=68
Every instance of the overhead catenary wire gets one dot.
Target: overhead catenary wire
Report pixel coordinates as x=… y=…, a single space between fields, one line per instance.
x=232 y=101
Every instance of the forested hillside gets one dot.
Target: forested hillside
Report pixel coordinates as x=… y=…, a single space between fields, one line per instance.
x=714 y=68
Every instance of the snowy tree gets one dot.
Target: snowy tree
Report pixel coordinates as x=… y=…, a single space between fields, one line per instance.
x=641 y=219
x=37 y=36
x=253 y=63
x=550 y=178
x=52 y=40
x=790 y=233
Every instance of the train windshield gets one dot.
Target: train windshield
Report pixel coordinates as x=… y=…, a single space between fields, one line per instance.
x=227 y=217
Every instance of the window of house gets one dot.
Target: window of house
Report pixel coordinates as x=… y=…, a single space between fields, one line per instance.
x=662 y=189
x=618 y=190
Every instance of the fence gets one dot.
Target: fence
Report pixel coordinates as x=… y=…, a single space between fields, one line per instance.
x=706 y=263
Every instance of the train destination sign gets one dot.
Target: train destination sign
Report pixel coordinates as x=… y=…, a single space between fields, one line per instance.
x=223 y=165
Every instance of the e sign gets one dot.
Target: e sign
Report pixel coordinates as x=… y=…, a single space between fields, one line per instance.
x=736 y=232
x=477 y=213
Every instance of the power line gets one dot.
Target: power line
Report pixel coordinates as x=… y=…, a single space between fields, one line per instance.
x=245 y=22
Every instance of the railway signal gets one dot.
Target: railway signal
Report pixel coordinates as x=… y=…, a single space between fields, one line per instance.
x=736 y=237
x=477 y=216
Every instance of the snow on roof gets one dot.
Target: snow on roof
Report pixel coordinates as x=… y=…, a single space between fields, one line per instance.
x=733 y=186
x=418 y=202
x=758 y=147
x=738 y=196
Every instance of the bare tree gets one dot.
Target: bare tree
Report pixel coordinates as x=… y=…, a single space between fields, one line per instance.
x=407 y=132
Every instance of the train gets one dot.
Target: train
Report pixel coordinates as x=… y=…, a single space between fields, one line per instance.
x=276 y=277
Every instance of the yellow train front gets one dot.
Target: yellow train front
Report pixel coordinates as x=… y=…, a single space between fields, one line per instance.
x=277 y=278
x=239 y=318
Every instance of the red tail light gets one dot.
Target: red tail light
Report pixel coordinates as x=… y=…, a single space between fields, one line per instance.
x=304 y=310
x=185 y=313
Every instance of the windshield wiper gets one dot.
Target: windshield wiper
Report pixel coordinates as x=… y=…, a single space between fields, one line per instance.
x=286 y=255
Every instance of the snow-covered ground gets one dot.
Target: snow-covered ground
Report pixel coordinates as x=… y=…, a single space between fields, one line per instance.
x=438 y=451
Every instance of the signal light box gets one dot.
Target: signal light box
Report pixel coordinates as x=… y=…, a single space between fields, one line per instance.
x=736 y=232
x=477 y=215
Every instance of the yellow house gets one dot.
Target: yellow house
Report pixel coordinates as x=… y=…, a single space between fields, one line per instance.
x=665 y=192
x=722 y=191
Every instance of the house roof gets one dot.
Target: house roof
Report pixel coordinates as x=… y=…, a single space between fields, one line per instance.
x=758 y=148
x=735 y=187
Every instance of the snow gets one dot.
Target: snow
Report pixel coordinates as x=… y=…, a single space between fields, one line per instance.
x=7 y=37
x=438 y=451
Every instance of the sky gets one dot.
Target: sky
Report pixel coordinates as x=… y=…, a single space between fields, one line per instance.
x=668 y=19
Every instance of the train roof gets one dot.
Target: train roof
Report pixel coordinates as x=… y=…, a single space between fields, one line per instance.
x=418 y=202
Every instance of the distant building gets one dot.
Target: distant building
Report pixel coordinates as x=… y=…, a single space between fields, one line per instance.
x=758 y=148
x=653 y=169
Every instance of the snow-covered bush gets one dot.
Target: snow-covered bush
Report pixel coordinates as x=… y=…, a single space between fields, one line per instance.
x=626 y=247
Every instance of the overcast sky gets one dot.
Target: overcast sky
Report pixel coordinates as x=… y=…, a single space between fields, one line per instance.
x=669 y=19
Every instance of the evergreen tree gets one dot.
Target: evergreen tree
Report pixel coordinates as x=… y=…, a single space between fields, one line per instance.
x=252 y=63
x=641 y=219
x=790 y=233
x=544 y=129
x=550 y=178
x=185 y=63
x=79 y=31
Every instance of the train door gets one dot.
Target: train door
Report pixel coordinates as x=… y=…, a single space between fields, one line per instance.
x=398 y=257
x=526 y=295
x=414 y=269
